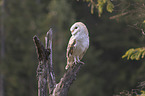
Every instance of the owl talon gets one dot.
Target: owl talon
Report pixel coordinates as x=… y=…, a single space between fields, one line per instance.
x=78 y=60
x=75 y=62
x=81 y=62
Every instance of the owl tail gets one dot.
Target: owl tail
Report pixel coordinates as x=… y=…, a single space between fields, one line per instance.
x=66 y=67
x=69 y=63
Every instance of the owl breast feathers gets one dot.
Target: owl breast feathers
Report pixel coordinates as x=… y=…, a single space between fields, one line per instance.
x=78 y=44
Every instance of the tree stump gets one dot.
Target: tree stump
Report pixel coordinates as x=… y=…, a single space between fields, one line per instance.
x=45 y=71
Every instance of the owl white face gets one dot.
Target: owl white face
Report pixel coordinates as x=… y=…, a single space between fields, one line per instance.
x=74 y=29
x=78 y=28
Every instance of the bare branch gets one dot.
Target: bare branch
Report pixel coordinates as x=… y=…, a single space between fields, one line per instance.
x=42 y=67
x=119 y=15
x=63 y=86
x=39 y=48
x=50 y=72
x=138 y=28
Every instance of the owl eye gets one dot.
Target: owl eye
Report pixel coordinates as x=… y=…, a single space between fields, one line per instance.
x=76 y=27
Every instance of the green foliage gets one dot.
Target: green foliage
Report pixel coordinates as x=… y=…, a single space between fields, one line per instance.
x=143 y=21
x=110 y=6
x=134 y=54
x=142 y=93
x=134 y=92
x=99 y=5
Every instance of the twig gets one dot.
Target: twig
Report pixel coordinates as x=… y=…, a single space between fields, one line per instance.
x=119 y=15
x=138 y=28
x=50 y=72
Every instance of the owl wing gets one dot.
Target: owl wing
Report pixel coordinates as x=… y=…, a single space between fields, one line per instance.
x=81 y=55
x=70 y=47
x=70 y=51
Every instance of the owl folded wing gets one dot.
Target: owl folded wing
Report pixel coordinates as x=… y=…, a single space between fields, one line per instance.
x=70 y=48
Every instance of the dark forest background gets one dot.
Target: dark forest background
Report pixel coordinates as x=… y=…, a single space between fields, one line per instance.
x=105 y=73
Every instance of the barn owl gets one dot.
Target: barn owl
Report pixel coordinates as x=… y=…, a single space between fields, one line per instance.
x=78 y=44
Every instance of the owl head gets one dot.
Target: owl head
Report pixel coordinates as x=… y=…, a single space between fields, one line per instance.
x=78 y=28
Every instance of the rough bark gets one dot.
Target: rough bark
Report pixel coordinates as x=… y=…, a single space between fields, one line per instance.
x=63 y=86
x=41 y=69
x=45 y=72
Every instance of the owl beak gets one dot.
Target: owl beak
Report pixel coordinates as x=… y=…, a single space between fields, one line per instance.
x=72 y=31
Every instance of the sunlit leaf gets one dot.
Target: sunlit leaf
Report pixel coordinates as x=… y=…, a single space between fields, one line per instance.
x=142 y=93
x=100 y=7
x=110 y=6
x=144 y=21
x=87 y=0
x=104 y=1
x=128 y=53
x=135 y=54
x=92 y=9
x=100 y=10
x=143 y=54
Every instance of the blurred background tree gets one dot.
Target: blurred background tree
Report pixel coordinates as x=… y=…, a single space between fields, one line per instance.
x=105 y=73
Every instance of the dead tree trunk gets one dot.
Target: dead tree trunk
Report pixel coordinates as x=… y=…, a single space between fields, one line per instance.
x=45 y=72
